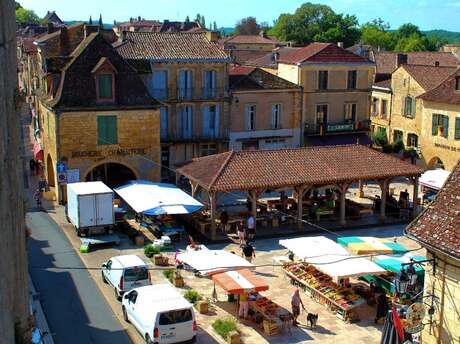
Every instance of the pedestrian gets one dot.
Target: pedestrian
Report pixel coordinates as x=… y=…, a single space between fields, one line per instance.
x=382 y=305
x=244 y=306
x=251 y=228
x=32 y=165
x=248 y=252
x=296 y=301
x=38 y=198
x=240 y=232
x=224 y=221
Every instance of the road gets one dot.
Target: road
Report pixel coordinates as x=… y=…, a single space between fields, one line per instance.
x=75 y=308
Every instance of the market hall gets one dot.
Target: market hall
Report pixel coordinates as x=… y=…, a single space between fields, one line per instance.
x=301 y=170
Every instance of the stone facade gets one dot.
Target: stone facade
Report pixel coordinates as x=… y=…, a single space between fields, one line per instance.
x=14 y=303
x=381 y=110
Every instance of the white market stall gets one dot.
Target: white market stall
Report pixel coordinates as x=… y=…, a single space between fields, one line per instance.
x=208 y=262
x=434 y=179
x=150 y=198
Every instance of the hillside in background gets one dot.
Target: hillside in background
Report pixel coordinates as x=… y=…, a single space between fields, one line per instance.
x=450 y=36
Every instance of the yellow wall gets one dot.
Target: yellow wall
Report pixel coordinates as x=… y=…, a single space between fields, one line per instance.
x=289 y=72
x=446 y=149
x=445 y=285
x=378 y=119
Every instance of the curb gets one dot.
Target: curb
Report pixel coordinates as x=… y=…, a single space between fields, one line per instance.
x=39 y=316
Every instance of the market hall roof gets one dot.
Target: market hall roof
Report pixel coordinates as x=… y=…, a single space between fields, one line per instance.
x=438 y=225
x=169 y=46
x=271 y=169
x=445 y=92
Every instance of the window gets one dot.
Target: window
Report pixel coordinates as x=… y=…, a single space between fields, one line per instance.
x=412 y=140
x=321 y=117
x=186 y=124
x=457 y=83
x=350 y=112
x=107 y=130
x=175 y=317
x=209 y=84
x=136 y=274
x=323 y=79
x=251 y=117
x=409 y=107
x=185 y=84
x=276 y=116
x=351 y=81
x=164 y=122
x=160 y=84
x=211 y=119
x=105 y=86
x=375 y=106
x=397 y=135
x=440 y=125
x=208 y=149
x=384 y=108
x=457 y=128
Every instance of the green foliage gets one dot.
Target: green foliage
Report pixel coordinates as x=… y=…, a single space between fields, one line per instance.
x=443 y=35
x=151 y=250
x=375 y=34
x=169 y=274
x=192 y=296
x=247 y=26
x=17 y=5
x=379 y=138
x=314 y=22
x=24 y=16
x=398 y=146
x=224 y=326
x=387 y=148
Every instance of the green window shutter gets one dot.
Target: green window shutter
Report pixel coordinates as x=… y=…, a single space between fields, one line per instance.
x=445 y=125
x=112 y=134
x=434 y=125
x=457 y=128
x=107 y=130
x=105 y=86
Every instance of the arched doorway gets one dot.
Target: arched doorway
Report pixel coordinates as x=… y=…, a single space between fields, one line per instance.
x=112 y=174
x=435 y=163
x=50 y=171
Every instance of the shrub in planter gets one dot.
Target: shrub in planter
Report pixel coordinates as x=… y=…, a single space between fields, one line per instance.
x=398 y=146
x=409 y=153
x=169 y=274
x=379 y=138
x=224 y=326
x=387 y=148
x=192 y=296
x=151 y=250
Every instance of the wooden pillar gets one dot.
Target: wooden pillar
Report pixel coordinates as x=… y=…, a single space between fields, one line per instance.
x=195 y=187
x=343 y=192
x=361 y=192
x=213 y=206
x=415 y=197
x=384 y=189
x=177 y=178
x=253 y=197
x=300 y=191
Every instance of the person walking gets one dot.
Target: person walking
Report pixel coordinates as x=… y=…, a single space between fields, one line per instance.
x=296 y=301
x=244 y=306
x=240 y=232
x=32 y=166
x=224 y=221
x=249 y=252
x=251 y=227
x=38 y=198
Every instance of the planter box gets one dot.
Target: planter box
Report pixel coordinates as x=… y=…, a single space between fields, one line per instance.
x=202 y=307
x=160 y=260
x=178 y=282
x=233 y=338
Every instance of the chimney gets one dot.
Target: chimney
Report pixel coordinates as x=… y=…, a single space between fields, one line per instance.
x=166 y=21
x=64 y=41
x=212 y=36
x=139 y=18
x=275 y=57
x=340 y=44
x=401 y=59
x=262 y=34
x=50 y=27
x=89 y=29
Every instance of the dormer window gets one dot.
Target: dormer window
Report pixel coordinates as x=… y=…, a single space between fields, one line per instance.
x=457 y=83
x=104 y=75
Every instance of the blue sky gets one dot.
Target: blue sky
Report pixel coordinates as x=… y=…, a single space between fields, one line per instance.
x=427 y=14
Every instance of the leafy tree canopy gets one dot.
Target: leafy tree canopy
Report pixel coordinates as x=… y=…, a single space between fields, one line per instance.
x=247 y=26
x=24 y=16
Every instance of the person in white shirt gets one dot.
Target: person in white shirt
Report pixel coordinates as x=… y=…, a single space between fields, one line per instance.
x=251 y=227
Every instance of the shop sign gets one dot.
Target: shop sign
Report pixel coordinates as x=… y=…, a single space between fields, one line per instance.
x=62 y=177
x=73 y=175
x=61 y=167
x=414 y=318
x=451 y=148
x=340 y=127
x=109 y=152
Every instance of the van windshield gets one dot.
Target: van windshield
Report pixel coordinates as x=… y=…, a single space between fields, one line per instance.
x=175 y=317
x=136 y=274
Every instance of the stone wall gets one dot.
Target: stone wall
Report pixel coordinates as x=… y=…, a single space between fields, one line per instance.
x=14 y=303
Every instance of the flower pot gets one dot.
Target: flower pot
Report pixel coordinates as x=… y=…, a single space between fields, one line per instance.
x=160 y=260
x=233 y=337
x=202 y=307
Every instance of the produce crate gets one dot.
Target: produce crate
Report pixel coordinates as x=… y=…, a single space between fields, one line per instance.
x=271 y=328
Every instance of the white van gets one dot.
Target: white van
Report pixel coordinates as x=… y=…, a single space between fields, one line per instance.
x=160 y=314
x=124 y=273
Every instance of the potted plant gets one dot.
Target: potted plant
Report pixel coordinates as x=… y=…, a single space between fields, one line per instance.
x=227 y=329
x=151 y=250
x=197 y=300
x=178 y=280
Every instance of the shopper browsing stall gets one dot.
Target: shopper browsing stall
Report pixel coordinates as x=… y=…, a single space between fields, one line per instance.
x=249 y=252
x=296 y=301
x=244 y=306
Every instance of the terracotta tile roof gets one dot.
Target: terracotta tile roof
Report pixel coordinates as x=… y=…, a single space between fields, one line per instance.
x=245 y=39
x=385 y=83
x=167 y=46
x=386 y=62
x=27 y=44
x=322 y=53
x=243 y=78
x=429 y=76
x=269 y=169
x=268 y=60
x=444 y=92
x=176 y=26
x=243 y=56
x=439 y=224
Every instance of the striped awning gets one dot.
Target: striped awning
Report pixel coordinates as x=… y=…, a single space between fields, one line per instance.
x=239 y=281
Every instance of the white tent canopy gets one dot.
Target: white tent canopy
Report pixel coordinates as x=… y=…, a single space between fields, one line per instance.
x=330 y=257
x=434 y=179
x=157 y=198
x=208 y=262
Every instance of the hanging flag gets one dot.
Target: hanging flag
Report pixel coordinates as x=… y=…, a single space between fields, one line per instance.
x=397 y=323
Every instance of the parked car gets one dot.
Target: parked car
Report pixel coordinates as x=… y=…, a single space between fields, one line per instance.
x=124 y=273
x=160 y=314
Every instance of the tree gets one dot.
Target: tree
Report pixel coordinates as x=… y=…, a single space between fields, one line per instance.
x=408 y=30
x=187 y=19
x=214 y=26
x=203 y=22
x=375 y=33
x=198 y=18
x=314 y=22
x=247 y=26
x=24 y=16
x=18 y=5
x=100 y=21
x=90 y=20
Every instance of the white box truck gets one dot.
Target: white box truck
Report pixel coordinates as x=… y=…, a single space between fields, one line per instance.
x=90 y=207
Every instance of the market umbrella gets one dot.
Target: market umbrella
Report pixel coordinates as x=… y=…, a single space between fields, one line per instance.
x=369 y=245
x=239 y=281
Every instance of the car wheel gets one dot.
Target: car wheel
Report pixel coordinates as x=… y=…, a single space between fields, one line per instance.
x=103 y=277
x=117 y=295
x=125 y=315
x=147 y=339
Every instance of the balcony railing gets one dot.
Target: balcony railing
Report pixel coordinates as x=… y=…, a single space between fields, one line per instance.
x=342 y=127
x=202 y=137
x=189 y=93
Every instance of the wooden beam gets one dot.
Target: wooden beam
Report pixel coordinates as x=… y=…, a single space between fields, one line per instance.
x=300 y=193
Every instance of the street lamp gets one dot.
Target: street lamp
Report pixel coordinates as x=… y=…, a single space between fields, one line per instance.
x=402 y=282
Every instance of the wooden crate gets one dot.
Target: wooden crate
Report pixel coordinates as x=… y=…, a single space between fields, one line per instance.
x=270 y=327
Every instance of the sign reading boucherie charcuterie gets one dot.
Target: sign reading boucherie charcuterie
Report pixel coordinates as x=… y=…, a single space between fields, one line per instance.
x=109 y=152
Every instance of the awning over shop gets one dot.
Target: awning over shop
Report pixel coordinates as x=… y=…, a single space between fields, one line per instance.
x=208 y=262
x=239 y=281
x=339 y=139
x=395 y=263
x=38 y=151
x=434 y=179
x=330 y=257
x=369 y=245
x=150 y=198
